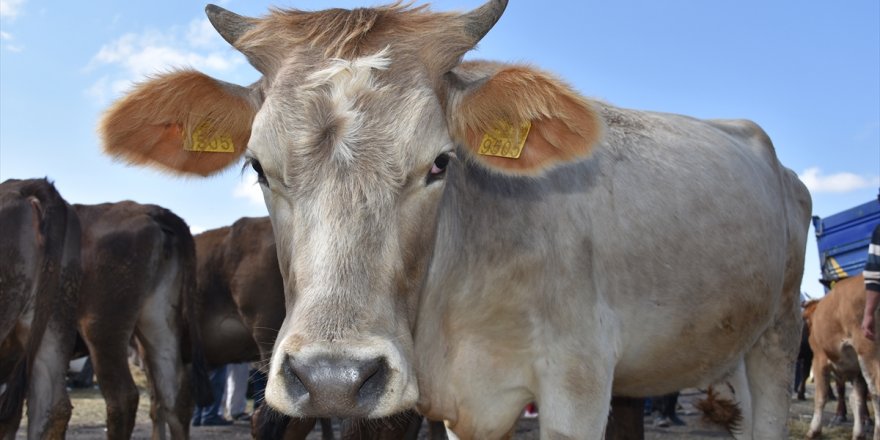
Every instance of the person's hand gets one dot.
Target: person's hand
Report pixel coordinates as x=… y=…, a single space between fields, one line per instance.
x=868 y=326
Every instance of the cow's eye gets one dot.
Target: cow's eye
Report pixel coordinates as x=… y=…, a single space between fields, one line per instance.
x=261 y=177
x=438 y=168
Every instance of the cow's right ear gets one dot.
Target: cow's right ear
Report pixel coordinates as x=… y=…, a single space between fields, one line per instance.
x=184 y=121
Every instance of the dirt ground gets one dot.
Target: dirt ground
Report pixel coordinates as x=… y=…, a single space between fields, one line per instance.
x=87 y=422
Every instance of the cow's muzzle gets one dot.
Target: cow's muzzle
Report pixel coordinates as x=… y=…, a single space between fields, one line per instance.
x=333 y=385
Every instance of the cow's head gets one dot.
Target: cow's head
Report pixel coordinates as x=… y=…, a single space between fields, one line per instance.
x=351 y=129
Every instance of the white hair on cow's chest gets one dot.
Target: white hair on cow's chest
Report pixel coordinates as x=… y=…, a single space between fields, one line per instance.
x=345 y=81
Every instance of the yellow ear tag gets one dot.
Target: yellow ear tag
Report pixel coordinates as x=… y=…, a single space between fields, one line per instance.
x=217 y=144
x=505 y=140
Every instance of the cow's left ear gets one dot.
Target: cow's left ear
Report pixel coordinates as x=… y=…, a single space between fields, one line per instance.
x=518 y=120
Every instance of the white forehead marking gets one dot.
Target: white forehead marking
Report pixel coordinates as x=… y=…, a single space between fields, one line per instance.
x=347 y=79
x=356 y=72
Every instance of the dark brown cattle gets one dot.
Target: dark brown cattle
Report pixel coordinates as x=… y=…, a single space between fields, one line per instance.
x=138 y=281
x=839 y=345
x=39 y=284
x=240 y=290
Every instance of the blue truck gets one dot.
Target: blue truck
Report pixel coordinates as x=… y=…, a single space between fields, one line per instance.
x=843 y=239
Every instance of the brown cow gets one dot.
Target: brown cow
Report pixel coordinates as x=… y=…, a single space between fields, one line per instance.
x=39 y=284
x=138 y=281
x=839 y=345
x=805 y=364
x=240 y=290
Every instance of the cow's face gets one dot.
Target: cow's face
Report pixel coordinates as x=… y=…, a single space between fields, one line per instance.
x=352 y=162
x=352 y=130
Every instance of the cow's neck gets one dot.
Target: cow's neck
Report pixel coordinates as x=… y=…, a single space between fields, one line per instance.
x=491 y=232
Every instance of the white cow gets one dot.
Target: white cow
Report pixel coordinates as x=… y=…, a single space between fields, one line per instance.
x=469 y=236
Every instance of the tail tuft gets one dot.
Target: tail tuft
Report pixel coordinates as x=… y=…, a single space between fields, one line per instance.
x=720 y=411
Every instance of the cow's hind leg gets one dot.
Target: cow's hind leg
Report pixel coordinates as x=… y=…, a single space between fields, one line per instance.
x=159 y=334
x=821 y=377
x=768 y=369
x=856 y=401
x=109 y=351
x=49 y=406
x=871 y=370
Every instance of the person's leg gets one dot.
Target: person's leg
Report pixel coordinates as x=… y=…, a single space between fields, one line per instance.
x=670 y=404
x=210 y=414
x=658 y=408
x=236 y=390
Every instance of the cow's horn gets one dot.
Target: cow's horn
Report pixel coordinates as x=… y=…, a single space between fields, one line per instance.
x=229 y=25
x=480 y=20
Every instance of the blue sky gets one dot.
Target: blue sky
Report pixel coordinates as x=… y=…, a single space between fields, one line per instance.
x=808 y=72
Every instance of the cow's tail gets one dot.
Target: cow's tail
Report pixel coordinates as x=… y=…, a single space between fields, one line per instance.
x=720 y=411
x=178 y=235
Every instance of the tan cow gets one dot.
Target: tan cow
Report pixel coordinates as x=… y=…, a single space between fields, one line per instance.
x=467 y=237
x=138 y=281
x=838 y=344
x=39 y=285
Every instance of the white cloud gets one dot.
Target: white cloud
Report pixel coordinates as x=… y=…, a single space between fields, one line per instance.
x=135 y=56
x=249 y=189
x=835 y=183
x=7 y=37
x=202 y=34
x=195 y=229
x=10 y=9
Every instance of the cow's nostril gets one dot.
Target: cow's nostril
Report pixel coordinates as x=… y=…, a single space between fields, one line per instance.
x=376 y=374
x=295 y=385
x=338 y=386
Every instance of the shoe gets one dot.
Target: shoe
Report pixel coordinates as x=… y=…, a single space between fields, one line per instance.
x=662 y=422
x=219 y=421
x=676 y=421
x=243 y=417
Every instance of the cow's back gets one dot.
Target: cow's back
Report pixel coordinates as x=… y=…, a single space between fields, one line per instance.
x=698 y=235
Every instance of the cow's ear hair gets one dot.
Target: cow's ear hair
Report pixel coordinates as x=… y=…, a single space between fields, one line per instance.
x=491 y=107
x=184 y=122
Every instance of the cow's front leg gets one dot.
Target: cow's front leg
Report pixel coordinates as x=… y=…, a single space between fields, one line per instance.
x=487 y=420
x=575 y=399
